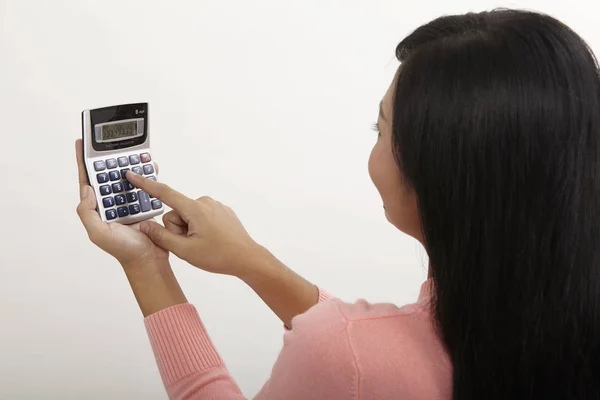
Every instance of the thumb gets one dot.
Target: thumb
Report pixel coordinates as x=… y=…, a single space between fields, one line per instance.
x=87 y=196
x=164 y=238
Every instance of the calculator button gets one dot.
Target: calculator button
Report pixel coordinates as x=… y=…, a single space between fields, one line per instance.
x=99 y=165
x=134 y=209
x=131 y=197
x=145 y=157
x=105 y=190
x=144 y=200
x=102 y=177
x=128 y=186
x=119 y=199
x=148 y=169
x=114 y=175
x=156 y=204
x=123 y=211
x=111 y=163
x=108 y=202
x=117 y=187
x=137 y=170
x=111 y=214
x=123 y=161
x=134 y=159
x=124 y=173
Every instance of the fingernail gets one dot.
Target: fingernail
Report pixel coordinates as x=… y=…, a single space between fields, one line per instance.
x=144 y=227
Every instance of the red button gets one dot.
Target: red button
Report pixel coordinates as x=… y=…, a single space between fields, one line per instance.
x=145 y=157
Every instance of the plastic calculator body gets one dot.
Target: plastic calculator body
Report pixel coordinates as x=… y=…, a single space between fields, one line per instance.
x=116 y=139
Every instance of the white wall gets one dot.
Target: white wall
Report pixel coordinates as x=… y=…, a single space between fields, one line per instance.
x=264 y=105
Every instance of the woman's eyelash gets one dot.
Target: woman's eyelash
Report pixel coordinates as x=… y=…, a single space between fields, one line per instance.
x=375 y=127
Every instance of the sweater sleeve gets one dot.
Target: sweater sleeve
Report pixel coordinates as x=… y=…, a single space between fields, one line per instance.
x=316 y=361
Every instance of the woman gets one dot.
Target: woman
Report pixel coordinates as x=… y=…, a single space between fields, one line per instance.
x=489 y=155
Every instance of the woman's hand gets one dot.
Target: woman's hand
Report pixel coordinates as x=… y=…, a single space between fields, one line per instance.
x=145 y=264
x=203 y=232
x=124 y=242
x=209 y=235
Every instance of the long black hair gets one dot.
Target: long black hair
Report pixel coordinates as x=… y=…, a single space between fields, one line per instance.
x=496 y=127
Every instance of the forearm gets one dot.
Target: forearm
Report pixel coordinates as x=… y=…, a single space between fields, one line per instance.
x=285 y=292
x=154 y=286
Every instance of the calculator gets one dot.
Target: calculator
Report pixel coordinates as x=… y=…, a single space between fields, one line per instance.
x=115 y=140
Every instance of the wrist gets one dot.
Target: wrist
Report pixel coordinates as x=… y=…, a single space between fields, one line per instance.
x=259 y=265
x=145 y=266
x=154 y=285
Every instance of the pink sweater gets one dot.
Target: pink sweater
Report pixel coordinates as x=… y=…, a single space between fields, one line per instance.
x=334 y=351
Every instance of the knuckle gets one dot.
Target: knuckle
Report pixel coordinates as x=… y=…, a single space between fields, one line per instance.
x=205 y=199
x=79 y=209
x=156 y=234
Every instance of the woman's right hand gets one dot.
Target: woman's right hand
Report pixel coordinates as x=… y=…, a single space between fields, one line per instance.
x=203 y=232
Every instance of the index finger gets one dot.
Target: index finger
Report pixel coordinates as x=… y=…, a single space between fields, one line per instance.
x=171 y=197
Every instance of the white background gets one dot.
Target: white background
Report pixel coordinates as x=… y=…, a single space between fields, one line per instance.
x=263 y=105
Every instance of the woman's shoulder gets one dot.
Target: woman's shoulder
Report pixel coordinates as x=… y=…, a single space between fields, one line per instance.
x=390 y=346
x=363 y=310
x=361 y=321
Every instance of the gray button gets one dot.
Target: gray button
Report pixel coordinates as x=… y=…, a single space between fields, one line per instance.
x=111 y=163
x=134 y=159
x=148 y=169
x=123 y=161
x=144 y=201
x=156 y=204
x=99 y=165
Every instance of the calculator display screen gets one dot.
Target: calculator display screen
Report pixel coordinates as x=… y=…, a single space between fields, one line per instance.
x=119 y=131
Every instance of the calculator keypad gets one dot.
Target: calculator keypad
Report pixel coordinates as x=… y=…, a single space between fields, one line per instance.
x=119 y=197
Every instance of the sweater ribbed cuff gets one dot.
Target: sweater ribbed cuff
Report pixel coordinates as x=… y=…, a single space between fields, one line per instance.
x=323 y=296
x=180 y=343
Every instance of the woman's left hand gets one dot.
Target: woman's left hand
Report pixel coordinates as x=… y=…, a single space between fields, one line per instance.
x=126 y=243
